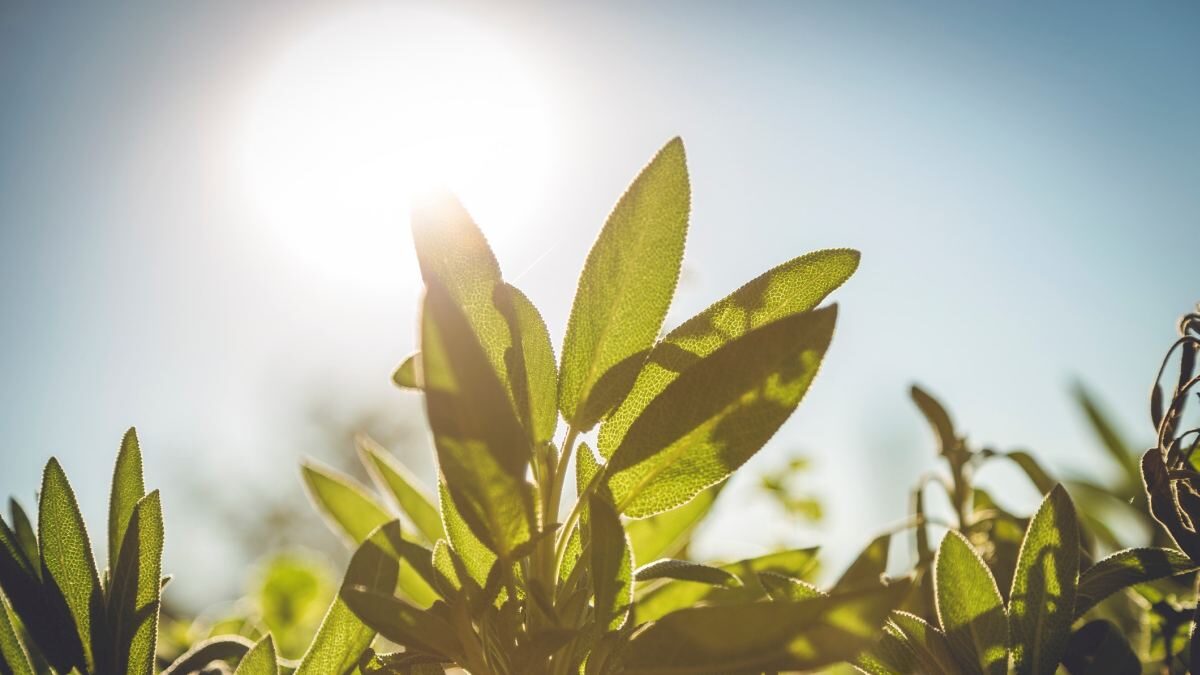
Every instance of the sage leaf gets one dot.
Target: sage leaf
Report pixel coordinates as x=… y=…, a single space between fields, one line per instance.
x=1100 y=647
x=625 y=289
x=406 y=376
x=128 y=487
x=1041 y=604
x=536 y=393
x=68 y=568
x=668 y=533
x=418 y=630
x=348 y=507
x=610 y=563
x=868 y=567
x=1128 y=568
x=780 y=635
x=717 y=414
x=397 y=480
x=969 y=607
x=12 y=650
x=134 y=600
x=24 y=535
x=930 y=649
x=797 y=285
x=686 y=570
x=939 y=420
x=783 y=587
x=260 y=660
x=482 y=449
x=476 y=557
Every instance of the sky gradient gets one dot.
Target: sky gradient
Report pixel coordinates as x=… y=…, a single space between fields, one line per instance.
x=1021 y=181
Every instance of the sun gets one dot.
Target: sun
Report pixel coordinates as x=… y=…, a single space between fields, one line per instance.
x=350 y=119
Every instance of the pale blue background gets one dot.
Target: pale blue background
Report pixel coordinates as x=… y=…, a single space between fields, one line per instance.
x=1021 y=179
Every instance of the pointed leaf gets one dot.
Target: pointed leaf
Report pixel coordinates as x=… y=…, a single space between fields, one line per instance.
x=348 y=508
x=717 y=414
x=669 y=532
x=1099 y=647
x=25 y=536
x=868 y=568
x=128 y=488
x=220 y=648
x=406 y=375
x=969 y=607
x=929 y=647
x=1042 y=602
x=400 y=622
x=796 y=286
x=482 y=449
x=12 y=651
x=1128 y=568
x=391 y=475
x=939 y=420
x=752 y=637
x=67 y=562
x=535 y=394
x=686 y=570
x=260 y=660
x=625 y=289
x=134 y=601
x=1118 y=449
x=783 y=587
x=610 y=564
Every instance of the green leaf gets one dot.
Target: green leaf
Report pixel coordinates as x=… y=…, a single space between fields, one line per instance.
x=610 y=564
x=939 y=420
x=686 y=570
x=482 y=449
x=536 y=394
x=400 y=622
x=969 y=607
x=477 y=558
x=396 y=479
x=625 y=289
x=661 y=600
x=891 y=655
x=454 y=256
x=783 y=587
x=868 y=568
x=342 y=637
x=220 y=648
x=717 y=414
x=134 y=600
x=1033 y=470
x=669 y=532
x=24 y=534
x=759 y=636
x=1128 y=568
x=260 y=660
x=1120 y=451
x=796 y=286
x=348 y=508
x=67 y=563
x=930 y=649
x=12 y=651
x=1042 y=602
x=128 y=488
x=406 y=375
x=1099 y=647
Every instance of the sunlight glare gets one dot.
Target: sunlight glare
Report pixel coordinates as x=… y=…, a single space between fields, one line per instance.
x=355 y=116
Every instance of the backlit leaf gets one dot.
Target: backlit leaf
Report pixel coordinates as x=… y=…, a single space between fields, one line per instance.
x=668 y=533
x=929 y=647
x=717 y=414
x=686 y=570
x=12 y=651
x=795 y=286
x=482 y=449
x=260 y=660
x=24 y=535
x=868 y=568
x=1128 y=568
x=939 y=420
x=625 y=289
x=134 y=604
x=752 y=637
x=969 y=607
x=1042 y=602
x=392 y=476
x=400 y=622
x=348 y=507
x=477 y=558
x=610 y=564
x=67 y=562
x=128 y=488
x=783 y=587
x=536 y=394
x=406 y=375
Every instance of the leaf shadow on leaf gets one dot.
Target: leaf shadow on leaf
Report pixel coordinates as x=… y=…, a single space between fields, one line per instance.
x=611 y=388
x=125 y=617
x=994 y=660
x=1045 y=595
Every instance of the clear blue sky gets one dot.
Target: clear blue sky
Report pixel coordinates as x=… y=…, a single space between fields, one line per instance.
x=1021 y=180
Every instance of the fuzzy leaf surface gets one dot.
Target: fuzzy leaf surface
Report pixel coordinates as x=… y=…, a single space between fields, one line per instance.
x=128 y=487
x=969 y=607
x=1128 y=568
x=392 y=476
